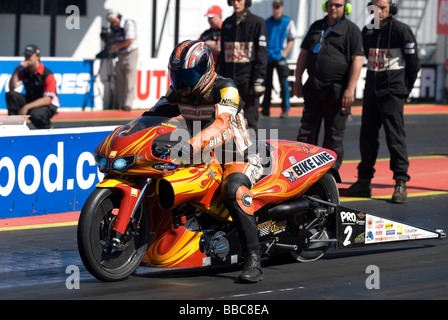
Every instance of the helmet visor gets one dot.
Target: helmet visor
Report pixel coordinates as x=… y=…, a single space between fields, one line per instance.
x=184 y=80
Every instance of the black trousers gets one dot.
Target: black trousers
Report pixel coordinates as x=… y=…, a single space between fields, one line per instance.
x=386 y=111
x=283 y=72
x=245 y=224
x=40 y=117
x=251 y=105
x=324 y=104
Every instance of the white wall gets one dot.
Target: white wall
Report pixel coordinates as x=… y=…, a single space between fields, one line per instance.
x=85 y=42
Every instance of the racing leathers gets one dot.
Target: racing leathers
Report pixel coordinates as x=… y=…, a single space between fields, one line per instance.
x=222 y=124
x=243 y=58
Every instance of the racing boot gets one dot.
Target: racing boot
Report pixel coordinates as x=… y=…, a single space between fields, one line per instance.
x=361 y=188
x=252 y=272
x=400 y=195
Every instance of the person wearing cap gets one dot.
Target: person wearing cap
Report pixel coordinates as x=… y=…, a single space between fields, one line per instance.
x=281 y=36
x=125 y=44
x=212 y=36
x=40 y=101
x=243 y=56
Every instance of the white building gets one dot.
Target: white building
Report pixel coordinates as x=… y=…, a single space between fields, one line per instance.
x=80 y=38
x=75 y=30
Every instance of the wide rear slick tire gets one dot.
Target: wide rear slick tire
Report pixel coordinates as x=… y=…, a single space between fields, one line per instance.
x=325 y=189
x=95 y=232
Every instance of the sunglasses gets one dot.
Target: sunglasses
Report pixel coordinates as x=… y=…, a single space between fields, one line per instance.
x=336 y=5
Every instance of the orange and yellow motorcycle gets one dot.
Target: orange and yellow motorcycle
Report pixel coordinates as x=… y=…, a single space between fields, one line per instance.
x=151 y=210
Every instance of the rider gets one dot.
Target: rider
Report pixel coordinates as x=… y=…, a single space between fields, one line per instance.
x=202 y=96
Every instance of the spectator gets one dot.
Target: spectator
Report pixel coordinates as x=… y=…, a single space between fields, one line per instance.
x=40 y=101
x=125 y=42
x=281 y=35
x=243 y=56
x=332 y=54
x=212 y=37
x=393 y=65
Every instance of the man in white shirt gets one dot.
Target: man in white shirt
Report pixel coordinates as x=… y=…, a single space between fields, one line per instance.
x=125 y=44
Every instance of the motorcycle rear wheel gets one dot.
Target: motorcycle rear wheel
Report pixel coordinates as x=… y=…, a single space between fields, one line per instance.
x=95 y=232
x=325 y=189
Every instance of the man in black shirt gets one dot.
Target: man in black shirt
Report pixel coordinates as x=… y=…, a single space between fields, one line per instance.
x=332 y=55
x=393 y=65
x=212 y=36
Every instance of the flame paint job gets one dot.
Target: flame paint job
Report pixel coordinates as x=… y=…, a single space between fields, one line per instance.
x=170 y=247
x=200 y=185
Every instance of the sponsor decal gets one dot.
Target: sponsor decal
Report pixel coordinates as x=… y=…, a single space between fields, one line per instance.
x=307 y=166
x=238 y=52
x=164 y=166
x=385 y=59
x=270 y=226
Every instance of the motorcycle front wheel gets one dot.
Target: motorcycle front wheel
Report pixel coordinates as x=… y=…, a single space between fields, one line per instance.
x=325 y=189
x=101 y=256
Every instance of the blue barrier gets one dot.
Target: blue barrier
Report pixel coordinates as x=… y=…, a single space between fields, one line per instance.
x=48 y=171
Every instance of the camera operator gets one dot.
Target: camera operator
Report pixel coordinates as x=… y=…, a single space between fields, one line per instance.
x=125 y=44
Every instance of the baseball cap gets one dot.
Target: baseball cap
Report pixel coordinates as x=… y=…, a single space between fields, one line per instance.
x=112 y=14
x=278 y=2
x=32 y=49
x=213 y=10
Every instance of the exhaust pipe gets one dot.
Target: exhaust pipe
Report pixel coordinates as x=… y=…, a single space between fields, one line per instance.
x=290 y=208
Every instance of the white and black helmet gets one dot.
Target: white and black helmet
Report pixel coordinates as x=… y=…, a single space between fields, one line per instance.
x=191 y=68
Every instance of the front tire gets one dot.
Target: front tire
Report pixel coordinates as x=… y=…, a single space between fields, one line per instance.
x=95 y=233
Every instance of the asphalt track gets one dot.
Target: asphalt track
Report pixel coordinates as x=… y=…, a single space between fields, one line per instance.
x=38 y=255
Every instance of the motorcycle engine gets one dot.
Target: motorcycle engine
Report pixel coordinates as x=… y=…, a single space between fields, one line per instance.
x=215 y=244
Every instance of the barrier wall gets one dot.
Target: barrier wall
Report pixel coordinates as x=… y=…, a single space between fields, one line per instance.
x=48 y=171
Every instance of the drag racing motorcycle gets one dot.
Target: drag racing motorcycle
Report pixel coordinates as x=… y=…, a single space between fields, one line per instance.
x=150 y=210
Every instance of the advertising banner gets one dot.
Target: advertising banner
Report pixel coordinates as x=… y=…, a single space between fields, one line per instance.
x=45 y=172
x=73 y=77
x=442 y=17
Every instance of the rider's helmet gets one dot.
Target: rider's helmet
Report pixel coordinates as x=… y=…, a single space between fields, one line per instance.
x=191 y=68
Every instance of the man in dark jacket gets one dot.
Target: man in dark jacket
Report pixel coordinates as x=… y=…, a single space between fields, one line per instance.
x=243 y=56
x=393 y=66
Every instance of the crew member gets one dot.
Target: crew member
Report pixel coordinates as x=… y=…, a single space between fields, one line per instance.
x=243 y=56
x=392 y=69
x=332 y=55
x=212 y=36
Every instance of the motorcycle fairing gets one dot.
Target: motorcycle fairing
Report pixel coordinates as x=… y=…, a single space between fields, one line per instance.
x=125 y=142
x=170 y=247
x=130 y=193
x=199 y=185
x=296 y=167
x=355 y=228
